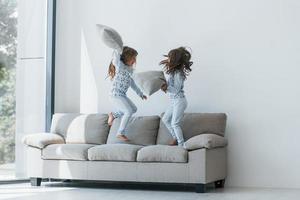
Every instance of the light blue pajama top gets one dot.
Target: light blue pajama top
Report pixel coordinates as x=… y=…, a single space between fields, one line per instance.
x=175 y=84
x=123 y=78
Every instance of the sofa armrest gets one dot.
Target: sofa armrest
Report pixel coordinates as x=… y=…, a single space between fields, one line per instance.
x=208 y=141
x=41 y=140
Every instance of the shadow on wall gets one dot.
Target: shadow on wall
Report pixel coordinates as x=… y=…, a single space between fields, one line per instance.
x=94 y=84
x=88 y=80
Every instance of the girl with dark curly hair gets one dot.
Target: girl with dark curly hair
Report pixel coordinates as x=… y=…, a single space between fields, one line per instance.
x=177 y=66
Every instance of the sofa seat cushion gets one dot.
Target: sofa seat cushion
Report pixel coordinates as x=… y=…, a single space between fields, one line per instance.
x=162 y=153
x=114 y=152
x=66 y=152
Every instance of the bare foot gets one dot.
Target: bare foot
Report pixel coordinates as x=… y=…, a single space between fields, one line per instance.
x=122 y=137
x=110 y=119
x=173 y=142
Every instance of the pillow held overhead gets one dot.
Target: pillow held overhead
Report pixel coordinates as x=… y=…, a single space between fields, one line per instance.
x=149 y=82
x=110 y=37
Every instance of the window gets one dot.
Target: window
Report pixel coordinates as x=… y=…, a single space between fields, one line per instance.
x=8 y=60
x=24 y=80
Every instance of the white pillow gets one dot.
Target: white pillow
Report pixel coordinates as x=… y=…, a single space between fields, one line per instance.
x=110 y=37
x=149 y=82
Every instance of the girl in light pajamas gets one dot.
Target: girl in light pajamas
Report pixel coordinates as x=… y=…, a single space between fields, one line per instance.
x=177 y=66
x=120 y=72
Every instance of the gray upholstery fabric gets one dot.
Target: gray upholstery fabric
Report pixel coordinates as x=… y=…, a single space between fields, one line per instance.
x=208 y=141
x=207 y=165
x=88 y=129
x=114 y=152
x=140 y=131
x=110 y=37
x=157 y=163
x=195 y=124
x=66 y=151
x=61 y=122
x=149 y=82
x=40 y=140
x=204 y=166
x=162 y=153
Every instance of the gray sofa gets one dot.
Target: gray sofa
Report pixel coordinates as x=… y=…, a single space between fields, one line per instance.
x=83 y=147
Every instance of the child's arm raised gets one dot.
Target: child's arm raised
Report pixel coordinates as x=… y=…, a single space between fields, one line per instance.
x=116 y=58
x=137 y=89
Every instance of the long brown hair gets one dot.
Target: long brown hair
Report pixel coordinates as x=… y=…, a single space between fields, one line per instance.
x=178 y=60
x=127 y=54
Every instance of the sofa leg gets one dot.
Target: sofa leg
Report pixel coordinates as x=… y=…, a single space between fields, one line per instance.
x=35 y=181
x=200 y=188
x=220 y=183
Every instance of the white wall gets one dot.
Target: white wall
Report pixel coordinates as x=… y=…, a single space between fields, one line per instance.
x=246 y=64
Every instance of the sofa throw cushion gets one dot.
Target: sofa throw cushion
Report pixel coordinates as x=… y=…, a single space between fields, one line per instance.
x=140 y=130
x=41 y=140
x=66 y=152
x=149 y=82
x=110 y=37
x=195 y=124
x=208 y=141
x=88 y=129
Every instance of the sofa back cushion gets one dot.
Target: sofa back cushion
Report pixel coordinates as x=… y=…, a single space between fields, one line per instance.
x=140 y=130
x=61 y=122
x=195 y=124
x=88 y=129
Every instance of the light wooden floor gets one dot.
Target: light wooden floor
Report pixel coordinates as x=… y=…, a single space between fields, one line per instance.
x=65 y=191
